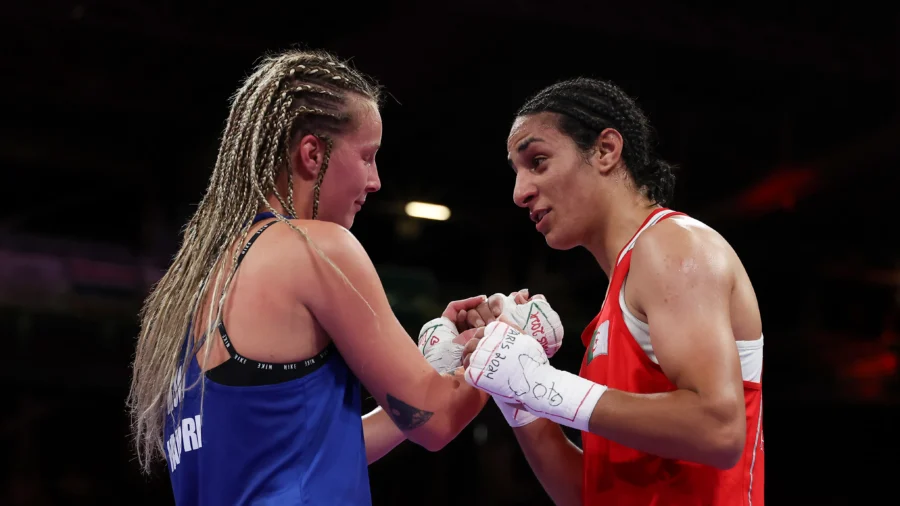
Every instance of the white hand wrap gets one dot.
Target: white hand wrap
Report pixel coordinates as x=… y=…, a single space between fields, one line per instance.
x=515 y=417
x=436 y=344
x=513 y=367
x=537 y=318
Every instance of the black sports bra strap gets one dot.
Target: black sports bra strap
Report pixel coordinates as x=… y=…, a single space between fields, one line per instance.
x=294 y=369
x=284 y=371
x=253 y=240
x=225 y=340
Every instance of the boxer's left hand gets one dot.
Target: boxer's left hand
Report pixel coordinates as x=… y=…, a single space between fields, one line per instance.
x=513 y=367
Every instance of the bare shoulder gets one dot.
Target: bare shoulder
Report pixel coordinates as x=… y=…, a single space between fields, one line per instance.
x=298 y=239
x=684 y=245
x=681 y=255
x=302 y=254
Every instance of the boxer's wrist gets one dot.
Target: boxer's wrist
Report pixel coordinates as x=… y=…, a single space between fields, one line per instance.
x=563 y=397
x=514 y=368
x=514 y=416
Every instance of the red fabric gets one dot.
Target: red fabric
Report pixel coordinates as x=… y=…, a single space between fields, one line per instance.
x=615 y=474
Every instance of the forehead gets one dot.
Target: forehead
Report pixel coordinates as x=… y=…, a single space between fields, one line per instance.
x=537 y=126
x=366 y=118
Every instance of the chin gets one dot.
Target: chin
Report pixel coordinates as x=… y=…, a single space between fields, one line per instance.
x=559 y=241
x=348 y=221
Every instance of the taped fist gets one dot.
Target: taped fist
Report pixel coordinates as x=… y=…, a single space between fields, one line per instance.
x=537 y=318
x=441 y=344
x=513 y=368
x=478 y=311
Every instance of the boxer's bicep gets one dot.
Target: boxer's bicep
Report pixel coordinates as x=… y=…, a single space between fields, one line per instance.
x=368 y=335
x=683 y=285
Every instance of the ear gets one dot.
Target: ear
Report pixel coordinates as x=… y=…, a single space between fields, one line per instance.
x=608 y=150
x=307 y=156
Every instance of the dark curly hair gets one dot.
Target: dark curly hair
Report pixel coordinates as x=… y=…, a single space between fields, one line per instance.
x=588 y=106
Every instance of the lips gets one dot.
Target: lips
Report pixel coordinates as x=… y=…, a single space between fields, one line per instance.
x=537 y=216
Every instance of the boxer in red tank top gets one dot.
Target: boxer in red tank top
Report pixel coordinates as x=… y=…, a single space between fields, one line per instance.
x=669 y=394
x=617 y=356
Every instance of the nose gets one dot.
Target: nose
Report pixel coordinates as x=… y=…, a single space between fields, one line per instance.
x=374 y=182
x=524 y=191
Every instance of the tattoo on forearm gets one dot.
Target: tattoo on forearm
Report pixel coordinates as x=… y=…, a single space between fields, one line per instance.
x=405 y=416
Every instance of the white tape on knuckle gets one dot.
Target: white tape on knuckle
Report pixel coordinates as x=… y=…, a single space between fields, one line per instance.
x=480 y=357
x=495 y=329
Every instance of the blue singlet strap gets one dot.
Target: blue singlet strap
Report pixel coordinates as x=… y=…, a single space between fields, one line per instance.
x=262 y=216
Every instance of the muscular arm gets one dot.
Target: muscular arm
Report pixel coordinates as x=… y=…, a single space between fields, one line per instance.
x=428 y=408
x=556 y=461
x=681 y=279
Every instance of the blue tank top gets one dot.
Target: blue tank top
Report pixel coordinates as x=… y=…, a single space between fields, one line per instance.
x=297 y=441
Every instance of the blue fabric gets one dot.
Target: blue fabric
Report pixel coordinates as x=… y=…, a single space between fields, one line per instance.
x=263 y=216
x=297 y=442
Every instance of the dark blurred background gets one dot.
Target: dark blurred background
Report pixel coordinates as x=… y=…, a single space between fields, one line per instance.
x=784 y=121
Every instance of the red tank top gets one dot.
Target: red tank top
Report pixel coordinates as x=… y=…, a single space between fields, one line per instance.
x=615 y=474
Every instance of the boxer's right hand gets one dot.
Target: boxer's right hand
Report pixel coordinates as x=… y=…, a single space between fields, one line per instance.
x=537 y=319
x=467 y=316
x=440 y=341
x=441 y=344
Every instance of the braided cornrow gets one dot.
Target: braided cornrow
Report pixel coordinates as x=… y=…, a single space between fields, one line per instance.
x=288 y=95
x=588 y=106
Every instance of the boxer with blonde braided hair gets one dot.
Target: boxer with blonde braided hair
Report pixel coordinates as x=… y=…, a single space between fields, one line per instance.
x=269 y=409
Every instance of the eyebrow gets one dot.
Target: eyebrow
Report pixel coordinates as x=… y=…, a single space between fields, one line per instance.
x=528 y=142
x=522 y=147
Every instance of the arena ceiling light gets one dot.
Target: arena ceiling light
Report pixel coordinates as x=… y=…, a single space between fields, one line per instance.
x=427 y=211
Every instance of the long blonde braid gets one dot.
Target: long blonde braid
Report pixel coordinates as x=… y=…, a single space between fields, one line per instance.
x=292 y=93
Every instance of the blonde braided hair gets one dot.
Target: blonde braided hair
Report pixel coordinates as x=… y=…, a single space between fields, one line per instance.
x=288 y=94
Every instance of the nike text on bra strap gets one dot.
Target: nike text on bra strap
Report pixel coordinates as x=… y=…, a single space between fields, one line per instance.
x=310 y=363
x=295 y=368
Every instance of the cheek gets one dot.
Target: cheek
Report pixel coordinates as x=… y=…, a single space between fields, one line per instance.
x=566 y=183
x=574 y=193
x=353 y=180
x=360 y=176
x=346 y=176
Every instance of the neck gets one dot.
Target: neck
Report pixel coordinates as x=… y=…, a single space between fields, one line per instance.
x=302 y=199
x=626 y=212
x=303 y=206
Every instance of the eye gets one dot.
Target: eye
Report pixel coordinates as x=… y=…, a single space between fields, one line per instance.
x=537 y=161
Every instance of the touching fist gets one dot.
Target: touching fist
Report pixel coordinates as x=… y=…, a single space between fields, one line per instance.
x=514 y=369
x=441 y=344
x=503 y=361
x=536 y=318
x=479 y=311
